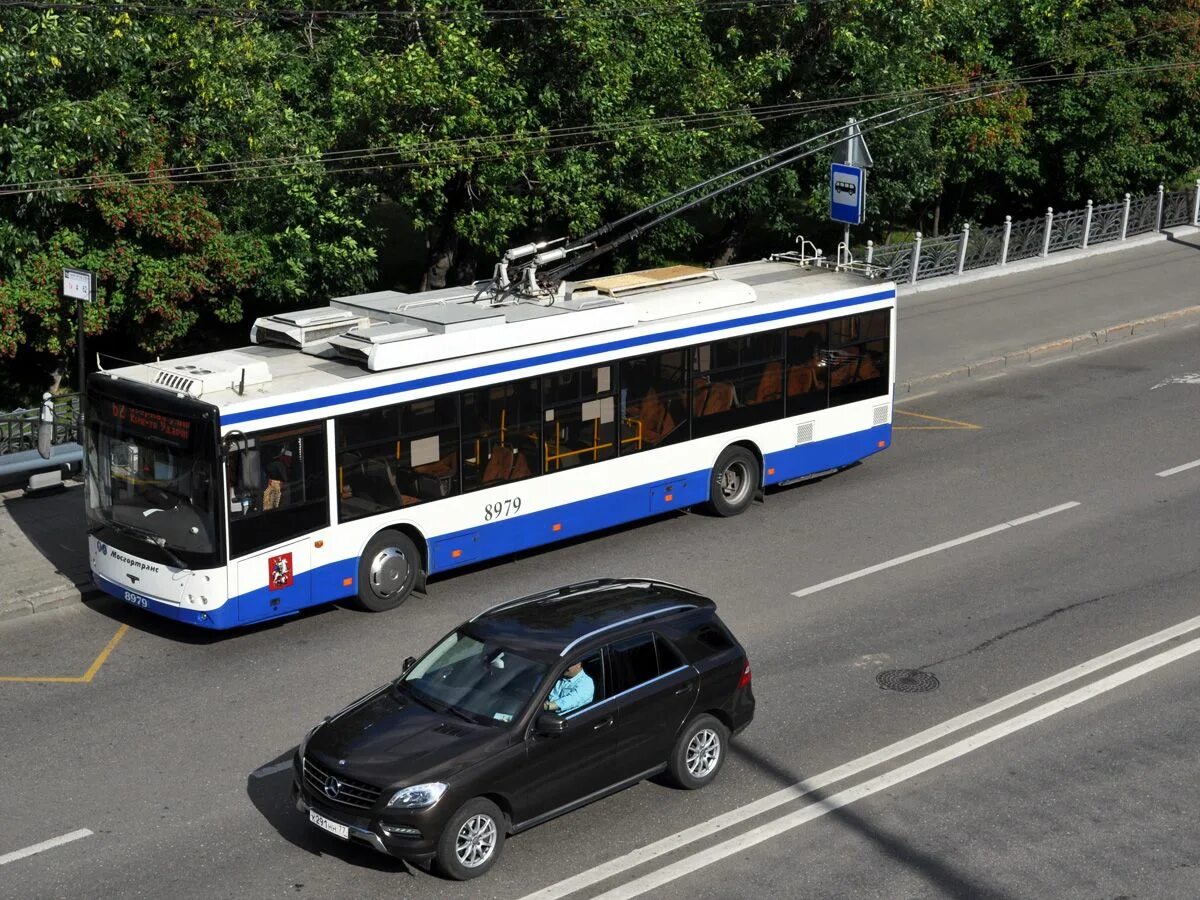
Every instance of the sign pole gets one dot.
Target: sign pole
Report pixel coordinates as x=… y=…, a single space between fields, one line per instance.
x=80 y=285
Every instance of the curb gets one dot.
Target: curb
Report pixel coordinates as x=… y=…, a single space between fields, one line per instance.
x=1060 y=347
x=51 y=598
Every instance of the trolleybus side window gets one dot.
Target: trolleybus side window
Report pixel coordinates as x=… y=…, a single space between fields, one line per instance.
x=857 y=359
x=654 y=401
x=397 y=456
x=277 y=487
x=501 y=439
x=737 y=382
x=579 y=417
x=807 y=381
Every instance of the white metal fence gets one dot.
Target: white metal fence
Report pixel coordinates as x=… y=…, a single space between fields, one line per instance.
x=998 y=245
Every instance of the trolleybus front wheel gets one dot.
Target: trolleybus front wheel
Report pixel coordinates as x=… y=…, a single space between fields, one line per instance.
x=734 y=480
x=387 y=571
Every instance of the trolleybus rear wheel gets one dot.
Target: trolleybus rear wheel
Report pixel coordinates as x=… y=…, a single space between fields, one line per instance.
x=733 y=481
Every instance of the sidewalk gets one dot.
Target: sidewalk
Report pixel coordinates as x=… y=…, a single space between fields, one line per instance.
x=950 y=328
x=43 y=550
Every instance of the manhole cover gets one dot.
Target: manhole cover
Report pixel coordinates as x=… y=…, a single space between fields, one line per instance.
x=907 y=681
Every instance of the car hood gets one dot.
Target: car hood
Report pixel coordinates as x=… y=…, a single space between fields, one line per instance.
x=393 y=738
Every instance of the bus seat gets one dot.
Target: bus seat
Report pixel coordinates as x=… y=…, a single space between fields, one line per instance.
x=499 y=464
x=712 y=397
x=770 y=386
x=804 y=377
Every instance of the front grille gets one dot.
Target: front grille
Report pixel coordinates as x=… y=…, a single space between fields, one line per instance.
x=349 y=792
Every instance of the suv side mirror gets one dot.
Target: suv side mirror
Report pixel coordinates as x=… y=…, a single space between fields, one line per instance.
x=549 y=723
x=409 y=662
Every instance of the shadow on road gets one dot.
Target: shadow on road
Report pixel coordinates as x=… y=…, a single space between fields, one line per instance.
x=270 y=792
x=937 y=872
x=53 y=524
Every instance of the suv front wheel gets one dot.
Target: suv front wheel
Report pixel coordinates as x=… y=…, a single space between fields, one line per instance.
x=471 y=841
x=698 y=753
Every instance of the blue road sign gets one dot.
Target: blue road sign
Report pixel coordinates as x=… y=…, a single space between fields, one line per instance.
x=847 y=188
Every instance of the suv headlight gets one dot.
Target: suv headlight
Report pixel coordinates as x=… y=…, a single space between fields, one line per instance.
x=419 y=796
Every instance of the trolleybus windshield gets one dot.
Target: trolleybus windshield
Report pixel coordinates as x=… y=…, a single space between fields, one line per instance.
x=150 y=477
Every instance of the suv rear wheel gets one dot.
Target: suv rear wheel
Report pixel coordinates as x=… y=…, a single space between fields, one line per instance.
x=471 y=841
x=699 y=752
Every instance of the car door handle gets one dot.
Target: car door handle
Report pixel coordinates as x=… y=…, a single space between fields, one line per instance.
x=684 y=689
x=603 y=723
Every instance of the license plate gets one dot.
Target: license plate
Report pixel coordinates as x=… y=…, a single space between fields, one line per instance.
x=332 y=827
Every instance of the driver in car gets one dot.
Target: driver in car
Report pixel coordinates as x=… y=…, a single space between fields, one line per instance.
x=573 y=690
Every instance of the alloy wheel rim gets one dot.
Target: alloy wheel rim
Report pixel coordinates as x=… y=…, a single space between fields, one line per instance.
x=703 y=751
x=476 y=840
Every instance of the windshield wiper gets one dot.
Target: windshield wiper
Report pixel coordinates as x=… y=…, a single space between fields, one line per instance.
x=437 y=705
x=150 y=538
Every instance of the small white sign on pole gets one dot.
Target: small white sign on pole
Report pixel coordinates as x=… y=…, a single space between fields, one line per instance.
x=77 y=284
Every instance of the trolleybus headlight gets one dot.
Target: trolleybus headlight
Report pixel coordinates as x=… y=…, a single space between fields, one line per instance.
x=419 y=796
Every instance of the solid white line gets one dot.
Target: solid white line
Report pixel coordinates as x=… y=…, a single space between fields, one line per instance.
x=44 y=845
x=914 y=397
x=909 y=557
x=689 y=835
x=990 y=377
x=890 y=779
x=1167 y=473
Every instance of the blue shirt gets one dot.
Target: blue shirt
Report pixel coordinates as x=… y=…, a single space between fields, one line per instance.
x=572 y=693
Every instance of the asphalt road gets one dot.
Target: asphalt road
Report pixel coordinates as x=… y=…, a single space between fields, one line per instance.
x=173 y=755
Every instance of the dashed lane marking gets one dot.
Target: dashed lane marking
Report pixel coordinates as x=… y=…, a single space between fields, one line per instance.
x=946 y=545
x=85 y=678
x=1167 y=473
x=44 y=845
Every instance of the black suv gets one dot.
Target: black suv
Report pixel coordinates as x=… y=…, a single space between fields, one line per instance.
x=531 y=709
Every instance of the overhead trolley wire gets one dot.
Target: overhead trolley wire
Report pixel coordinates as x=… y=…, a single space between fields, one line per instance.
x=374 y=159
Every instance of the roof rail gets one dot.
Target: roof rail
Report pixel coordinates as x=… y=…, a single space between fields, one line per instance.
x=578 y=587
x=638 y=618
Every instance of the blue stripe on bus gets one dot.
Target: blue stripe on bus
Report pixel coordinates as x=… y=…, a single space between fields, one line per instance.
x=326 y=584
x=562 y=356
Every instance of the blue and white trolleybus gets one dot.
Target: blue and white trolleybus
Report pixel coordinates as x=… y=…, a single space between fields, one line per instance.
x=355 y=449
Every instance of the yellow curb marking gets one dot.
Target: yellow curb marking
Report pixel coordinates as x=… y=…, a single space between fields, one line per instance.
x=87 y=676
x=950 y=424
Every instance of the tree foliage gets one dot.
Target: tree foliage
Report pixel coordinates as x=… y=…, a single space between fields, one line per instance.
x=235 y=157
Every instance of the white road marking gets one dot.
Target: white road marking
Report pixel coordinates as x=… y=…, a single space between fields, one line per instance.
x=990 y=377
x=909 y=557
x=44 y=845
x=1192 y=378
x=1167 y=473
x=914 y=397
x=271 y=770
x=697 y=832
x=889 y=779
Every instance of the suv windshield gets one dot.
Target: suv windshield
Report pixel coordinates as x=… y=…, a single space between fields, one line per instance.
x=478 y=680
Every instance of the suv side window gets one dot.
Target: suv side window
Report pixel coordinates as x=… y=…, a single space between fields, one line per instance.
x=637 y=660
